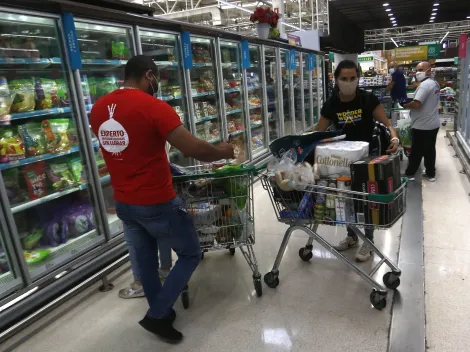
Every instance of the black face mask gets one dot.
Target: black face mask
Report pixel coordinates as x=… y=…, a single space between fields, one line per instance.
x=153 y=86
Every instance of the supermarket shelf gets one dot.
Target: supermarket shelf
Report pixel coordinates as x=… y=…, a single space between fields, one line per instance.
x=166 y=63
x=6 y=278
x=232 y=90
x=203 y=94
x=38 y=113
x=203 y=64
x=254 y=87
x=35 y=159
x=104 y=62
x=170 y=97
x=256 y=126
x=252 y=107
x=29 y=61
x=235 y=111
x=215 y=140
x=65 y=252
x=236 y=133
x=206 y=118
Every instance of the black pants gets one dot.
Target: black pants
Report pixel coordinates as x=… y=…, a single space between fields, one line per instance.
x=423 y=145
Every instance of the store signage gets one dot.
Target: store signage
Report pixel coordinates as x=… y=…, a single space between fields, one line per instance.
x=245 y=55
x=294 y=40
x=434 y=51
x=73 y=48
x=310 y=62
x=187 y=50
x=463 y=45
x=291 y=64
x=411 y=53
x=365 y=58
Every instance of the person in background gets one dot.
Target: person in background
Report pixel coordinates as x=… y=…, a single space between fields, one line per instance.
x=425 y=124
x=354 y=111
x=397 y=87
x=133 y=128
x=370 y=72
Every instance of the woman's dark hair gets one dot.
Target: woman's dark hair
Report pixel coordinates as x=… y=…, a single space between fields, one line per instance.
x=345 y=64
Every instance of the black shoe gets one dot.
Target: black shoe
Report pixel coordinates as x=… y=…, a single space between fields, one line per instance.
x=162 y=328
x=172 y=315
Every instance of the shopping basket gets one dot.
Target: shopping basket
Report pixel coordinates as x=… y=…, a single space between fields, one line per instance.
x=361 y=210
x=221 y=202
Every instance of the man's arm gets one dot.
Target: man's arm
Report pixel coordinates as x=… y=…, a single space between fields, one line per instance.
x=196 y=148
x=420 y=95
x=379 y=115
x=415 y=104
x=389 y=87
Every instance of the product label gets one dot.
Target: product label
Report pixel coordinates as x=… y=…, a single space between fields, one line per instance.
x=333 y=160
x=112 y=135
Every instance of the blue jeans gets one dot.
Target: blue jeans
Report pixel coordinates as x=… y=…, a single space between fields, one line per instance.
x=164 y=254
x=166 y=224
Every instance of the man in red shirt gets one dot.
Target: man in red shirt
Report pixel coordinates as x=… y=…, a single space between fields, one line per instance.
x=133 y=128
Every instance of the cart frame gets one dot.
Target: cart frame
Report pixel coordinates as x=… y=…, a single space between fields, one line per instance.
x=310 y=226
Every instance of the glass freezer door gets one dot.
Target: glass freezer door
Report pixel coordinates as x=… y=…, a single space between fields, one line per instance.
x=164 y=50
x=273 y=84
x=255 y=102
x=105 y=50
x=233 y=97
x=9 y=280
x=307 y=92
x=287 y=94
x=207 y=119
x=298 y=94
x=41 y=158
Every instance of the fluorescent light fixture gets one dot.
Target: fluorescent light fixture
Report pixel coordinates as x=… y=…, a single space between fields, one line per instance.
x=394 y=25
x=433 y=14
x=390 y=14
x=287 y=24
x=386 y=4
x=436 y=4
x=433 y=17
x=388 y=10
x=468 y=16
x=444 y=37
x=235 y=6
x=431 y=21
x=434 y=9
x=394 y=42
x=394 y=21
x=392 y=18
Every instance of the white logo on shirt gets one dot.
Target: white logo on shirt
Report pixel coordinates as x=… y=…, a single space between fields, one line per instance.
x=112 y=135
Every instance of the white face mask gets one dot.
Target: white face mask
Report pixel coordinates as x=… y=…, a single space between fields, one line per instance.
x=347 y=88
x=391 y=70
x=420 y=76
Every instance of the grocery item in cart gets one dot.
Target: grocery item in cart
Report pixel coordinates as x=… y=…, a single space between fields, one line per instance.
x=34 y=138
x=377 y=176
x=344 y=205
x=333 y=159
x=23 y=95
x=11 y=145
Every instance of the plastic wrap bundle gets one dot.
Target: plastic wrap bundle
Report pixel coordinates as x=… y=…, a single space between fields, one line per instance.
x=333 y=159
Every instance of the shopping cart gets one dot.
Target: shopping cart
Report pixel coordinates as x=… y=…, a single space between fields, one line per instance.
x=361 y=210
x=221 y=202
x=396 y=114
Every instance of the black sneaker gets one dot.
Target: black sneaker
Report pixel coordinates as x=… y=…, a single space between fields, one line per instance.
x=162 y=328
x=410 y=178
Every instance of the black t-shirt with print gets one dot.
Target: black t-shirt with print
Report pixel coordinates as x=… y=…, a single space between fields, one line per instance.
x=355 y=117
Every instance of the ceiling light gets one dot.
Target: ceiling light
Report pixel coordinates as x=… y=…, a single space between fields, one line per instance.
x=390 y=14
x=433 y=14
x=445 y=37
x=392 y=18
x=434 y=9
x=394 y=25
x=394 y=42
x=433 y=17
x=388 y=10
x=386 y=4
x=436 y=4
x=468 y=16
x=431 y=21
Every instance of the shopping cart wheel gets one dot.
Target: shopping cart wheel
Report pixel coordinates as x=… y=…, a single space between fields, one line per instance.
x=232 y=251
x=185 y=298
x=258 y=285
x=305 y=253
x=391 y=281
x=378 y=299
x=444 y=123
x=271 y=280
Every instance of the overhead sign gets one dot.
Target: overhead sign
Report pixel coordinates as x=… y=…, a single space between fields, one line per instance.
x=294 y=40
x=416 y=53
x=187 y=50
x=245 y=54
x=365 y=58
x=73 y=48
x=434 y=51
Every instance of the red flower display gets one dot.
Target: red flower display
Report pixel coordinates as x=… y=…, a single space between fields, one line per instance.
x=265 y=15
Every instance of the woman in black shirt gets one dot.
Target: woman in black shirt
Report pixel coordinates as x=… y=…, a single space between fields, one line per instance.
x=354 y=111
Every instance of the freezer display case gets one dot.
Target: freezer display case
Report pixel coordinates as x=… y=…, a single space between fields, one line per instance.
x=207 y=123
x=104 y=50
x=9 y=280
x=233 y=97
x=287 y=93
x=320 y=85
x=273 y=85
x=255 y=102
x=165 y=52
x=307 y=92
x=50 y=211
x=298 y=94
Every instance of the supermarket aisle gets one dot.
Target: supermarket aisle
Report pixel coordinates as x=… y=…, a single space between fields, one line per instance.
x=446 y=209
x=318 y=306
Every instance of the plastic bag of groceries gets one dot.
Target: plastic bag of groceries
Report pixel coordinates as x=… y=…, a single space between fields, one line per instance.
x=404 y=131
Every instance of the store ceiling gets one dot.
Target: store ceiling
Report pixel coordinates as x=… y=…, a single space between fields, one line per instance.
x=371 y=14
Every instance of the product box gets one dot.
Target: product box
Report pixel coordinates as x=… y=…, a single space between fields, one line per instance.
x=377 y=175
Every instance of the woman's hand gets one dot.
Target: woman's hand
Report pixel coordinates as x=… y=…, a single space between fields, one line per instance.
x=393 y=147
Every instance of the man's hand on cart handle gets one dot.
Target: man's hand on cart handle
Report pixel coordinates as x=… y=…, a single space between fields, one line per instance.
x=393 y=147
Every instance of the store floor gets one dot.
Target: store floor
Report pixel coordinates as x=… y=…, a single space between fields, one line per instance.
x=320 y=306
x=446 y=209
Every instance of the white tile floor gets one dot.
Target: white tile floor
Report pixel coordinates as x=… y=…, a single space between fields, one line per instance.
x=446 y=209
x=319 y=306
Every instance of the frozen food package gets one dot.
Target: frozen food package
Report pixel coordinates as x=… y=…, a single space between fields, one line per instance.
x=36 y=179
x=36 y=256
x=62 y=93
x=105 y=85
x=23 y=95
x=5 y=97
x=46 y=93
x=30 y=241
x=34 y=138
x=53 y=235
x=60 y=176
x=55 y=131
x=334 y=159
x=11 y=178
x=11 y=145
x=78 y=220
x=76 y=167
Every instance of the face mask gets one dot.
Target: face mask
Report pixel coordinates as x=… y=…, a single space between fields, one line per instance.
x=391 y=70
x=420 y=76
x=347 y=88
x=153 y=91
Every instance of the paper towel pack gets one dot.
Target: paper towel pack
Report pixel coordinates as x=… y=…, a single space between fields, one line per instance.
x=333 y=159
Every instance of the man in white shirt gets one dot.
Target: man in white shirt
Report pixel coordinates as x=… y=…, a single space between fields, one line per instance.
x=425 y=123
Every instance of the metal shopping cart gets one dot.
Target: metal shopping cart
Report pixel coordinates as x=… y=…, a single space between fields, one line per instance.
x=221 y=202
x=361 y=210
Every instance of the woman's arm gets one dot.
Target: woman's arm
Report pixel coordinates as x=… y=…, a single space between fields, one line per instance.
x=322 y=124
x=379 y=115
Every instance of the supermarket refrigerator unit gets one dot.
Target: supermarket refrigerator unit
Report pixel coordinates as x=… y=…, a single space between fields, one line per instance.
x=58 y=224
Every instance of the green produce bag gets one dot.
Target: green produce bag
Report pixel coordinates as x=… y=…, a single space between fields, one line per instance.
x=404 y=132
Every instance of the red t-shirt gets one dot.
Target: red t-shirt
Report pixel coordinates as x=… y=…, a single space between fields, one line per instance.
x=132 y=127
